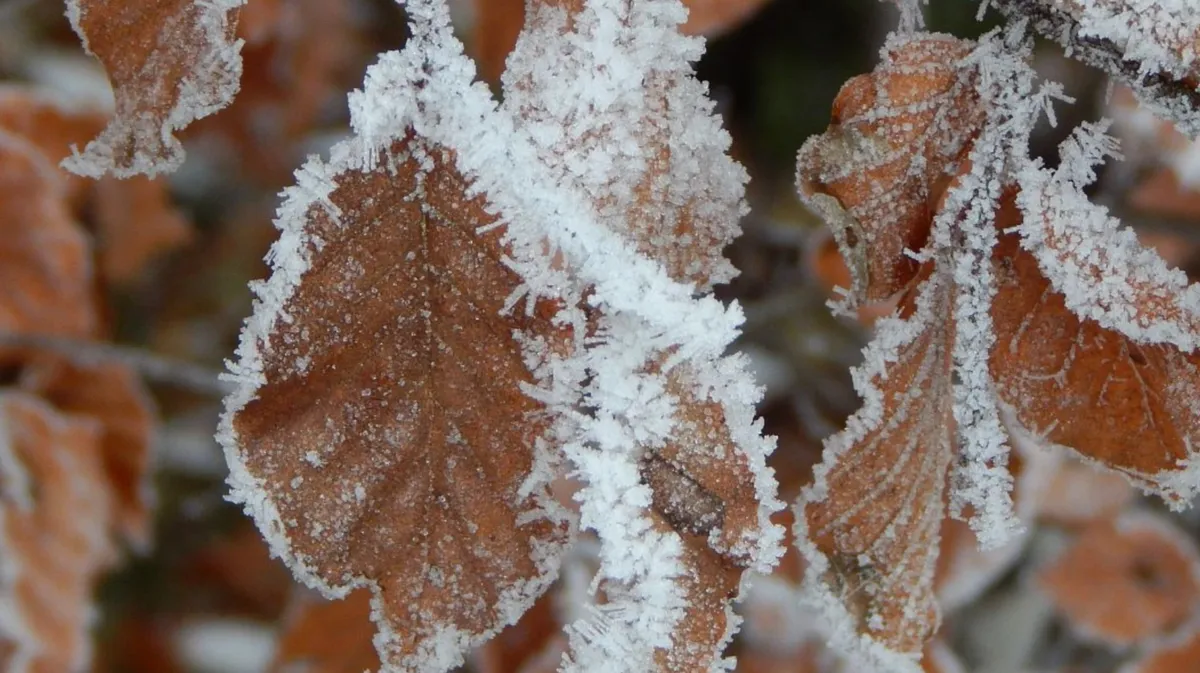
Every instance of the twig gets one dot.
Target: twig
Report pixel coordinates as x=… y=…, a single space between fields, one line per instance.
x=164 y=370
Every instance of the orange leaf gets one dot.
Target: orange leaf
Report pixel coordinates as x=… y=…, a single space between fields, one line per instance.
x=875 y=509
x=45 y=260
x=1128 y=406
x=136 y=222
x=56 y=512
x=170 y=62
x=114 y=396
x=877 y=174
x=135 y=218
x=388 y=430
x=1150 y=573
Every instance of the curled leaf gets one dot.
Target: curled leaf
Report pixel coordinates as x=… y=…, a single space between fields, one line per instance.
x=877 y=174
x=869 y=524
x=169 y=63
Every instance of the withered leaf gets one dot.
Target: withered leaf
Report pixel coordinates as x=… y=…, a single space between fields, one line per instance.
x=667 y=182
x=870 y=522
x=55 y=513
x=113 y=396
x=1128 y=406
x=135 y=219
x=877 y=174
x=45 y=259
x=385 y=437
x=170 y=62
x=1150 y=572
x=322 y=636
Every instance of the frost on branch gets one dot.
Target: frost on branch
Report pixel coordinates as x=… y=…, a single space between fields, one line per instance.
x=381 y=437
x=1154 y=47
x=169 y=64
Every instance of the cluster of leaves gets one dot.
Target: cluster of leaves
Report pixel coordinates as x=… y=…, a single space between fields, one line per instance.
x=489 y=354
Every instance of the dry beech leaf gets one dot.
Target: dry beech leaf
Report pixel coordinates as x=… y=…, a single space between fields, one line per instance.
x=388 y=436
x=1149 y=571
x=136 y=222
x=45 y=258
x=684 y=205
x=876 y=193
x=114 y=396
x=1127 y=406
x=53 y=127
x=238 y=572
x=322 y=636
x=56 y=513
x=878 y=499
x=170 y=63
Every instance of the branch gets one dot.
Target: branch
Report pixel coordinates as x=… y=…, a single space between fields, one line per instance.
x=1154 y=53
x=169 y=371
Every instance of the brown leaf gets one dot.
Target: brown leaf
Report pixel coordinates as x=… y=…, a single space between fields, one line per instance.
x=52 y=127
x=877 y=174
x=1131 y=407
x=321 y=636
x=1178 y=654
x=170 y=62
x=875 y=509
x=1149 y=571
x=238 y=575
x=682 y=204
x=389 y=429
x=115 y=397
x=56 y=512
x=45 y=260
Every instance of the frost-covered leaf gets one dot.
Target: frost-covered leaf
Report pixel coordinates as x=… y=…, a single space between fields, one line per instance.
x=115 y=398
x=382 y=435
x=650 y=153
x=1129 y=406
x=1149 y=571
x=897 y=136
x=55 y=513
x=134 y=219
x=170 y=62
x=869 y=524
